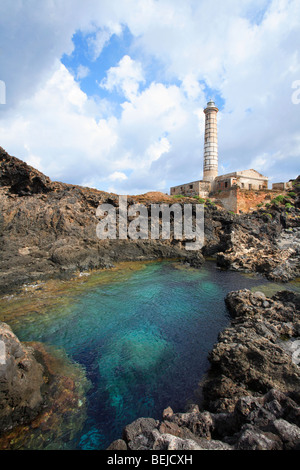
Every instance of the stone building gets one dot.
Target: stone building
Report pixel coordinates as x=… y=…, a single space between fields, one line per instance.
x=246 y=179
x=212 y=183
x=195 y=188
x=282 y=186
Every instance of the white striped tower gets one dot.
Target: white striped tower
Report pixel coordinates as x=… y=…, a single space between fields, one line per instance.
x=210 y=164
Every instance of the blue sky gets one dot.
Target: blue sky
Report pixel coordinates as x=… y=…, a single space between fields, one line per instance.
x=111 y=94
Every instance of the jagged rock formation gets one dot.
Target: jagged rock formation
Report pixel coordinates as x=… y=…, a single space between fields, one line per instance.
x=251 y=355
x=48 y=229
x=270 y=422
x=250 y=399
x=270 y=247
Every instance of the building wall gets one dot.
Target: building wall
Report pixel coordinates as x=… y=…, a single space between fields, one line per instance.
x=227 y=199
x=282 y=186
x=236 y=199
x=196 y=188
x=247 y=179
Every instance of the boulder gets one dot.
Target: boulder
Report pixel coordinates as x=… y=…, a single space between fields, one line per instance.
x=21 y=381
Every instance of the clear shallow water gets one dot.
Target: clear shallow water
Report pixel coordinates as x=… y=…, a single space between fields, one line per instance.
x=143 y=338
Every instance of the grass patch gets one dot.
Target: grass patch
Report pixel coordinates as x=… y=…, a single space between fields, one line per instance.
x=200 y=199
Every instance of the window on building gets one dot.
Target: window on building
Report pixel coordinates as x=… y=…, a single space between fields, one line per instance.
x=226 y=184
x=250 y=186
x=191 y=186
x=242 y=185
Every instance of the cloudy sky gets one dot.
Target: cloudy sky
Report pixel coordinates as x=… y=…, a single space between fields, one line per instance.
x=110 y=93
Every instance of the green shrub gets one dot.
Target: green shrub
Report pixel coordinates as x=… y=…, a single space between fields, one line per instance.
x=260 y=204
x=177 y=196
x=278 y=199
x=268 y=204
x=200 y=199
x=292 y=194
x=288 y=205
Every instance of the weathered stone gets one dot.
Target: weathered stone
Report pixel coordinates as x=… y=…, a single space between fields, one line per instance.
x=169 y=442
x=119 y=444
x=288 y=433
x=142 y=426
x=21 y=380
x=48 y=229
x=168 y=413
x=245 y=360
x=252 y=438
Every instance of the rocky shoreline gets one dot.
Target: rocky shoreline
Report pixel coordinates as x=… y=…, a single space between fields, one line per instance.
x=250 y=399
x=48 y=229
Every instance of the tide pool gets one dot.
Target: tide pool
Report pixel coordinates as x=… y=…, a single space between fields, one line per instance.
x=141 y=333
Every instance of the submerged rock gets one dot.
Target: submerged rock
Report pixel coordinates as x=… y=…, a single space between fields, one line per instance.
x=251 y=394
x=21 y=381
x=42 y=396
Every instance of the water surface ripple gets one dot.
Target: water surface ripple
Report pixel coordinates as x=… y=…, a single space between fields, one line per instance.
x=143 y=338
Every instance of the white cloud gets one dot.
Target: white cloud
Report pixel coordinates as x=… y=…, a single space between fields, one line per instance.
x=82 y=72
x=101 y=38
x=117 y=176
x=125 y=78
x=157 y=149
x=58 y=127
x=191 y=86
x=247 y=51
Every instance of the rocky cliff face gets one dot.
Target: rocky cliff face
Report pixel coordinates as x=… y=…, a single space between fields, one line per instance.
x=258 y=243
x=49 y=229
x=251 y=395
x=250 y=399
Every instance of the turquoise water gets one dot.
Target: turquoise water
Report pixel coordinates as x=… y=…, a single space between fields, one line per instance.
x=143 y=341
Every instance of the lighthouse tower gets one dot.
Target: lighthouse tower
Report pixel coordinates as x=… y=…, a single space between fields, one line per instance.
x=210 y=165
